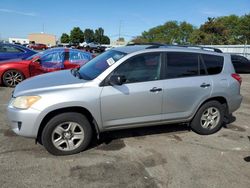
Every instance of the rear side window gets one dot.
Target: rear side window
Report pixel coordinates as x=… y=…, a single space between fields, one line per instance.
x=182 y=64
x=213 y=63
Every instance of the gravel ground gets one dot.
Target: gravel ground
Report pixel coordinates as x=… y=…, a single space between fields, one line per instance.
x=161 y=156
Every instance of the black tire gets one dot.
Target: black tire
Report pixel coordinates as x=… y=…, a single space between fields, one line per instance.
x=12 y=77
x=197 y=124
x=55 y=122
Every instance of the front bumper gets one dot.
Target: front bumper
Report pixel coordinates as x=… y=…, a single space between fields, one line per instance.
x=23 y=122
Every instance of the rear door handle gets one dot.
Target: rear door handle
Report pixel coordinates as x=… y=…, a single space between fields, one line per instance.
x=155 y=89
x=204 y=85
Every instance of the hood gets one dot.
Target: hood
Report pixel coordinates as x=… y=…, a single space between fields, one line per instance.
x=48 y=82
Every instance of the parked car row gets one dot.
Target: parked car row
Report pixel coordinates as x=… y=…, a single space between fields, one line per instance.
x=13 y=72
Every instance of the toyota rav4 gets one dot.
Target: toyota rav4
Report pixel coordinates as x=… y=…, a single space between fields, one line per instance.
x=126 y=87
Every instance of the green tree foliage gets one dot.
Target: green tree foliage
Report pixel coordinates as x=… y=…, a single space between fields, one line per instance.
x=76 y=35
x=244 y=27
x=100 y=37
x=89 y=35
x=65 y=38
x=171 y=32
x=99 y=33
x=105 y=40
x=221 y=30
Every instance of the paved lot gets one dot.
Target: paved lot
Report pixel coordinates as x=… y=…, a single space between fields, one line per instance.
x=162 y=156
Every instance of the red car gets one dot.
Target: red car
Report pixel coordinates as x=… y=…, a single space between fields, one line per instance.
x=38 y=46
x=14 y=71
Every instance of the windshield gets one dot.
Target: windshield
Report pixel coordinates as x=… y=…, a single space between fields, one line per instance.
x=96 y=66
x=35 y=55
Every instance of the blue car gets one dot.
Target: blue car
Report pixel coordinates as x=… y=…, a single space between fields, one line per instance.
x=12 y=51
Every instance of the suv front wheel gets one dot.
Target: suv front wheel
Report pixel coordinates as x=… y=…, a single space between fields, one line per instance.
x=208 y=119
x=67 y=134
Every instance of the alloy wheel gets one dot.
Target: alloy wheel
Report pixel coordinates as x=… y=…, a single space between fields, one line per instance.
x=210 y=118
x=67 y=136
x=12 y=78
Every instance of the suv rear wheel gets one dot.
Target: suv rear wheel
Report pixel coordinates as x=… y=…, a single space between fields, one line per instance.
x=67 y=134
x=209 y=118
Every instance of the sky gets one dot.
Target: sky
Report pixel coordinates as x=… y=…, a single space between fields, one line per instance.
x=18 y=18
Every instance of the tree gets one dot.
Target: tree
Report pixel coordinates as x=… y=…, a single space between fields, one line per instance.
x=89 y=35
x=99 y=33
x=186 y=30
x=100 y=37
x=230 y=29
x=244 y=28
x=169 y=33
x=65 y=38
x=105 y=40
x=76 y=35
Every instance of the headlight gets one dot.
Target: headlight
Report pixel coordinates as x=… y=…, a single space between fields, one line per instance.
x=24 y=102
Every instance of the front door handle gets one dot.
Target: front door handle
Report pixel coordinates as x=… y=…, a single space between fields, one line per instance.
x=204 y=85
x=155 y=89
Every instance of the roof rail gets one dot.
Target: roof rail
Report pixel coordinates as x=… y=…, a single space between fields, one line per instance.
x=147 y=43
x=158 y=45
x=201 y=48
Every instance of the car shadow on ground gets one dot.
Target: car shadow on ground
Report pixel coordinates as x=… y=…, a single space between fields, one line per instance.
x=113 y=140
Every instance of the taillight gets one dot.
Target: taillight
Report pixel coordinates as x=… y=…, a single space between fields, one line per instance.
x=237 y=77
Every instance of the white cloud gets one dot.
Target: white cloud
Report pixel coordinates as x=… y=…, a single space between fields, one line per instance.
x=18 y=12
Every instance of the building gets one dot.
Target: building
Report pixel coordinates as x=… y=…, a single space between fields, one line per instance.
x=19 y=40
x=42 y=38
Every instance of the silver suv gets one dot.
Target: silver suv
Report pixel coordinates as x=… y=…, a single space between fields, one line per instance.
x=126 y=87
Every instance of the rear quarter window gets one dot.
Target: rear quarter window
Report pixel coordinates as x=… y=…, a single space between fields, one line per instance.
x=213 y=63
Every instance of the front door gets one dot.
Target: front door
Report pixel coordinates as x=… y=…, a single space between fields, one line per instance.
x=48 y=62
x=139 y=99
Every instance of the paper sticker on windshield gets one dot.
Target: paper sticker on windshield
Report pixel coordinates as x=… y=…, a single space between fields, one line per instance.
x=110 y=61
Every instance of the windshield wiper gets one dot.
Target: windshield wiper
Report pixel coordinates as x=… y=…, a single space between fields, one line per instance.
x=76 y=73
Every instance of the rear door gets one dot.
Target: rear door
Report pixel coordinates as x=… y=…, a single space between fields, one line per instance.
x=186 y=84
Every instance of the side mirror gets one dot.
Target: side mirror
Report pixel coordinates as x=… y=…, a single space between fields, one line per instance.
x=117 y=79
x=37 y=60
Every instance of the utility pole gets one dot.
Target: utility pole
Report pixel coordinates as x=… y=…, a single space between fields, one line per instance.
x=43 y=28
x=120 y=25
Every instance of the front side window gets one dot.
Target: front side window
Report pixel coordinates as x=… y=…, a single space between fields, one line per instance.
x=52 y=60
x=141 y=68
x=182 y=64
x=213 y=63
x=99 y=64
